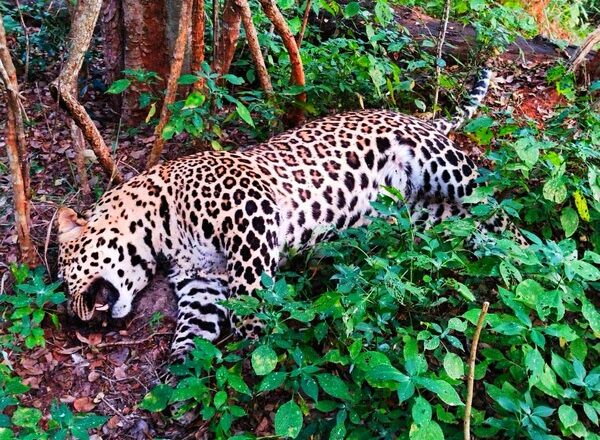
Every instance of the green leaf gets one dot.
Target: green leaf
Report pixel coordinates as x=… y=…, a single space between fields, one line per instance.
x=454 y=366
x=555 y=190
x=157 y=399
x=351 y=9
x=567 y=416
x=421 y=411
x=26 y=417
x=119 y=86
x=220 y=398
x=310 y=387
x=440 y=388
x=589 y=311
x=288 y=420
x=591 y=413
x=187 y=79
x=238 y=384
x=569 y=220
x=264 y=360
x=272 y=381
x=385 y=376
x=334 y=386
x=244 y=113
x=584 y=269
x=194 y=100
x=429 y=431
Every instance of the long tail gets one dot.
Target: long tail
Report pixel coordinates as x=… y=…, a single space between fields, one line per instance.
x=467 y=110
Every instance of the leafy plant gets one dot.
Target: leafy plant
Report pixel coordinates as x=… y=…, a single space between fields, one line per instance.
x=28 y=305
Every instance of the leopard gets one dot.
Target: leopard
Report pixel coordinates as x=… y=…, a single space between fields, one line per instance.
x=219 y=221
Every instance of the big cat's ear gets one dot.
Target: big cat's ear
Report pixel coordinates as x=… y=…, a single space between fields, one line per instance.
x=70 y=225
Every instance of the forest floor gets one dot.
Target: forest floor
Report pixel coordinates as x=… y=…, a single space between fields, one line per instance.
x=108 y=370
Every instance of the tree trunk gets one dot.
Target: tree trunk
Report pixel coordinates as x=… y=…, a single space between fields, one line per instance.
x=113 y=35
x=145 y=25
x=228 y=37
x=176 y=63
x=17 y=153
x=80 y=35
x=198 y=27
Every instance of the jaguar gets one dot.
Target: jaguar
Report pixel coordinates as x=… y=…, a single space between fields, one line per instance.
x=219 y=220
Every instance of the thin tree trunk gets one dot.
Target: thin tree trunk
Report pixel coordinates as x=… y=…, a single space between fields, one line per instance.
x=198 y=28
x=251 y=36
x=16 y=151
x=82 y=29
x=295 y=114
x=300 y=35
x=176 y=63
x=228 y=37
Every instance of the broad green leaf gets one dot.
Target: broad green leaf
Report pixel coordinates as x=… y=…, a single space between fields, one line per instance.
x=310 y=387
x=238 y=384
x=454 y=366
x=334 y=386
x=288 y=420
x=26 y=417
x=194 y=100
x=567 y=415
x=244 y=113
x=157 y=399
x=429 y=431
x=590 y=313
x=272 y=381
x=119 y=86
x=187 y=79
x=555 y=190
x=441 y=389
x=351 y=9
x=584 y=269
x=264 y=360
x=569 y=220
x=421 y=411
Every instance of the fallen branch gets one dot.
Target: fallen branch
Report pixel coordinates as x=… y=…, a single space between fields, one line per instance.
x=471 y=374
x=80 y=35
x=257 y=56
x=176 y=64
x=583 y=51
x=136 y=342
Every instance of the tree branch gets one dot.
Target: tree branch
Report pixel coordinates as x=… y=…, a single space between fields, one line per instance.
x=80 y=35
x=297 y=75
x=259 y=61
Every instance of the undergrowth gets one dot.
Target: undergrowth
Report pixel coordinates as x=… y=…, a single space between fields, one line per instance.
x=369 y=336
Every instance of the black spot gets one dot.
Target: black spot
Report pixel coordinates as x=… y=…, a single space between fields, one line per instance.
x=383 y=144
x=349 y=181
x=446 y=176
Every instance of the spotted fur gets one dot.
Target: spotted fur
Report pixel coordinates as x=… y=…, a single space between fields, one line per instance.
x=221 y=219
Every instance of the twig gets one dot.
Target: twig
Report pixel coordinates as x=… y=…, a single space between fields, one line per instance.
x=471 y=374
x=300 y=35
x=440 y=49
x=136 y=342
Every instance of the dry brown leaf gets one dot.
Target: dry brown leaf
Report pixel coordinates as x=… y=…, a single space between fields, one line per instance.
x=84 y=404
